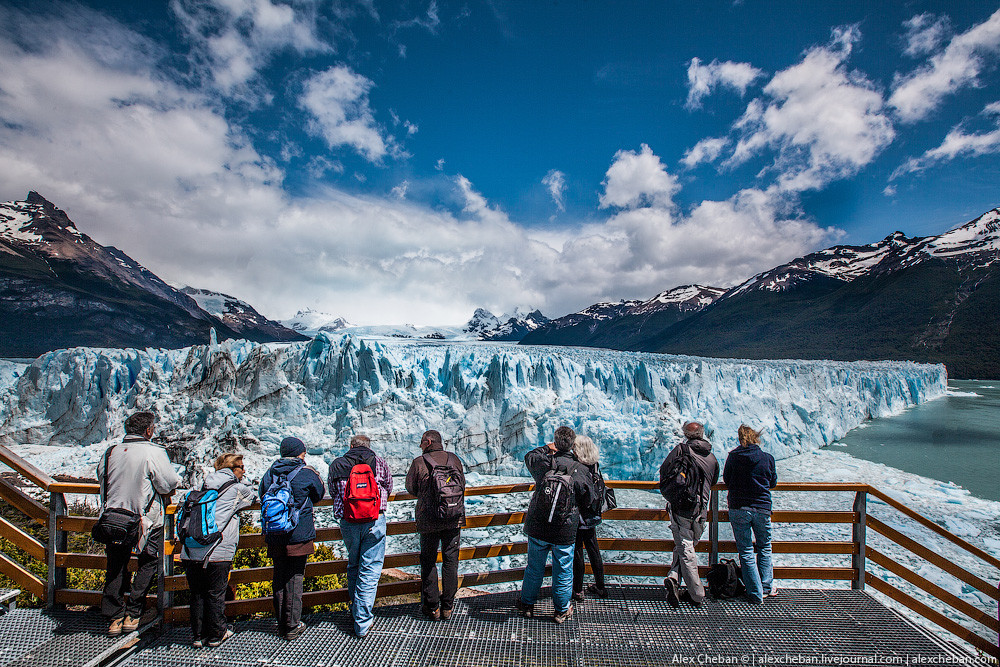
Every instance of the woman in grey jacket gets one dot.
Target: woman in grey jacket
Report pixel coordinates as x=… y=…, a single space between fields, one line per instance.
x=207 y=568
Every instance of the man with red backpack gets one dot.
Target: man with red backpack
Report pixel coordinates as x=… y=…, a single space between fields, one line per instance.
x=360 y=483
x=437 y=479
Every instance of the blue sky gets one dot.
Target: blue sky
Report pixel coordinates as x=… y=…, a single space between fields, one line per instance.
x=410 y=161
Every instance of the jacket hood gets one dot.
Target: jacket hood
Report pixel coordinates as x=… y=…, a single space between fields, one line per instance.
x=286 y=465
x=216 y=478
x=699 y=446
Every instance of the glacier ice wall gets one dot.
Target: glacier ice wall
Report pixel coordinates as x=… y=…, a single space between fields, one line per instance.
x=492 y=402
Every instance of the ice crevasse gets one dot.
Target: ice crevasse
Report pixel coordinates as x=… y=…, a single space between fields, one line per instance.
x=491 y=402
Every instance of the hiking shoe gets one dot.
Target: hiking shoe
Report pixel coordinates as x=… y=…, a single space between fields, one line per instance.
x=226 y=635
x=673 y=593
x=445 y=614
x=526 y=610
x=431 y=614
x=686 y=597
x=593 y=589
x=115 y=628
x=295 y=632
x=578 y=597
x=197 y=644
x=130 y=624
x=564 y=616
x=774 y=592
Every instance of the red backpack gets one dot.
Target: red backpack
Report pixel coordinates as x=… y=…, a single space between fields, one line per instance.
x=362 y=497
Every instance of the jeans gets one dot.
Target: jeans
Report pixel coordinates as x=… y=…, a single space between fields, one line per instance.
x=758 y=573
x=289 y=573
x=449 y=541
x=208 y=586
x=587 y=538
x=562 y=573
x=687 y=531
x=123 y=595
x=365 y=544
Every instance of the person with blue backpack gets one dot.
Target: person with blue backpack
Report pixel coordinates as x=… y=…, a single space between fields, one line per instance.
x=208 y=526
x=287 y=493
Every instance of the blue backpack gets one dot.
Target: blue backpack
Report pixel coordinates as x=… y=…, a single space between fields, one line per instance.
x=196 y=525
x=278 y=513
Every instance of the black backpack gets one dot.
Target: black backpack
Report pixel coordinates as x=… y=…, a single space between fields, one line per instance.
x=447 y=489
x=681 y=483
x=555 y=497
x=725 y=580
x=600 y=491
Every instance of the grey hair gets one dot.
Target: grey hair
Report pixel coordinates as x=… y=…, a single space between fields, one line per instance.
x=585 y=450
x=360 y=441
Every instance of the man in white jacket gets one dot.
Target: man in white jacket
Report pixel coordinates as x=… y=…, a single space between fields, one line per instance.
x=135 y=475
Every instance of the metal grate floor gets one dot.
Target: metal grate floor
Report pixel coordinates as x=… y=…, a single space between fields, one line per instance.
x=634 y=626
x=40 y=638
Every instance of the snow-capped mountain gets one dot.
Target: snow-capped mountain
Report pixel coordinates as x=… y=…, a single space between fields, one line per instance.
x=310 y=322
x=616 y=325
x=976 y=243
x=240 y=316
x=514 y=326
x=59 y=288
x=481 y=322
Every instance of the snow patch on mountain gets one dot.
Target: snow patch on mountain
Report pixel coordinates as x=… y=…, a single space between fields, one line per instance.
x=310 y=322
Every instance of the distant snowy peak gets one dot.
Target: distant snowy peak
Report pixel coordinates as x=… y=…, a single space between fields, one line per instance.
x=310 y=322
x=974 y=243
x=509 y=327
x=238 y=315
x=685 y=298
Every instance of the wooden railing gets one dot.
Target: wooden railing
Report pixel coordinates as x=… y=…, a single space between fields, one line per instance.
x=859 y=549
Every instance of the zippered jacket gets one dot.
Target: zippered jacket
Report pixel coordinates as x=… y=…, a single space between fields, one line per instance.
x=236 y=497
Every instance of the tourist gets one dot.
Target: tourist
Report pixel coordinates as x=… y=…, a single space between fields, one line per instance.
x=437 y=479
x=207 y=567
x=686 y=479
x=586 y=453
x=289 y=548
x=562 y=486
x=360 y=483
x=750 y=475
x=136 y=476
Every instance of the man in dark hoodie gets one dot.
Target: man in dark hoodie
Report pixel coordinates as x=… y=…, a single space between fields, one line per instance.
x=688 y=525
x=365 y=540
x=433 y=530
x=290 y=550
x=558 y=537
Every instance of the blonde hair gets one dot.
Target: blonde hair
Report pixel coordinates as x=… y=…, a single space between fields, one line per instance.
x=229 y=461
x=748 y=436
x=585 y=450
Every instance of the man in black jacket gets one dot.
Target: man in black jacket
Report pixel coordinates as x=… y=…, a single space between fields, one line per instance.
x=687 y=525
x=554 y=531
x=434 y=530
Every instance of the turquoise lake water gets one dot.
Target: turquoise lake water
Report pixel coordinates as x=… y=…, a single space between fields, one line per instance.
x=952 y=439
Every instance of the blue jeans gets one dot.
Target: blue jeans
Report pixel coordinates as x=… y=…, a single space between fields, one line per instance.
x=562 y=573
x=758 y=573
x=365 y=544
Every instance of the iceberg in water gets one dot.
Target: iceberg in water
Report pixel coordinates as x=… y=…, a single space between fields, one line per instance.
x=492 y=402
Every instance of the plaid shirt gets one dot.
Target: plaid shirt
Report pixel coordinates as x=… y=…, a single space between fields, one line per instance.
x=383 y=477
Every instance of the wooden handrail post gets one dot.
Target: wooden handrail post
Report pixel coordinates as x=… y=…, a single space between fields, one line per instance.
x=858 y=536
x=713 y=529
x=56 y=576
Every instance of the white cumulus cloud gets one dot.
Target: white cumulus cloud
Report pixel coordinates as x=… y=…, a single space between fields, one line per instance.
x=924 y=33
x=638 y=179
x=958 y=143
x=702 y=79
x=337 y=100
x=824 y=121
x=706 y=150
x=957 y=66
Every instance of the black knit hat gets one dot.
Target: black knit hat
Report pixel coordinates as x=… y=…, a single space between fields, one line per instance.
x=292 y=447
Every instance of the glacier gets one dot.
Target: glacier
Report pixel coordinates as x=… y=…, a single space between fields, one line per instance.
x=492 y=402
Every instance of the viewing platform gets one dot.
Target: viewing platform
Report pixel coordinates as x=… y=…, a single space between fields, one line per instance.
x=844 y=605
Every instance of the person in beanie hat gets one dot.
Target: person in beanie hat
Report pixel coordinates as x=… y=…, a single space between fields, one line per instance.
x=289 y=551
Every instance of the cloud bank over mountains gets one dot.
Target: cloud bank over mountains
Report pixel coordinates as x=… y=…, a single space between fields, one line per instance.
x=158 y=158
